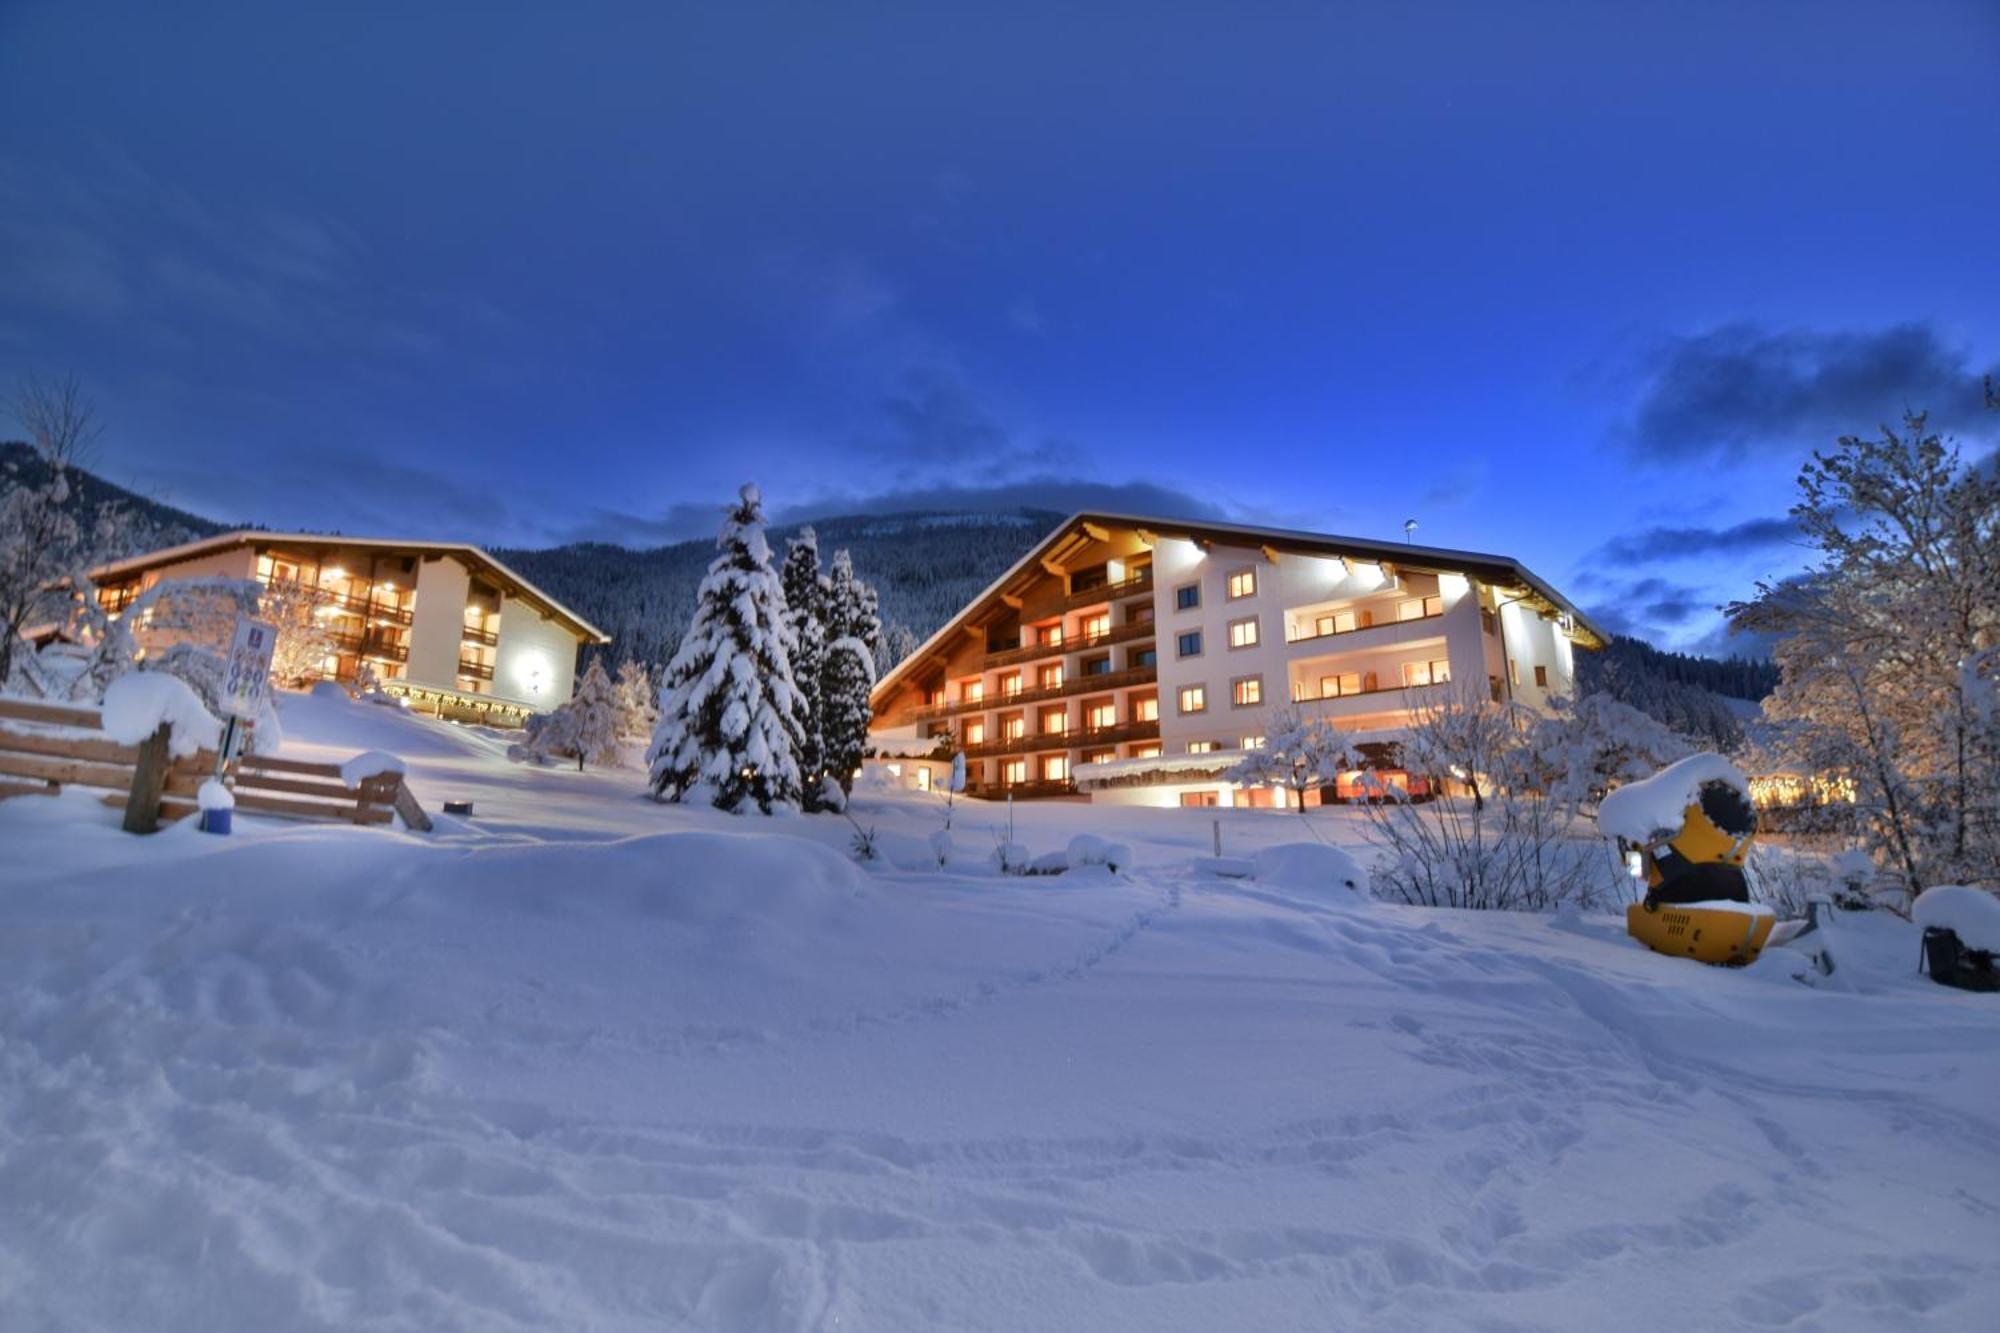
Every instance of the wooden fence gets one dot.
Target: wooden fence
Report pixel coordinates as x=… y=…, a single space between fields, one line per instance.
x=50 y=754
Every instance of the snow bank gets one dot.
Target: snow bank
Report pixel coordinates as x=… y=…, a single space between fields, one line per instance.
x=212 y=795
x=369 y=764
x=1638 y=810
x=1309 y=866
x=1971 y=914
x=138 y=702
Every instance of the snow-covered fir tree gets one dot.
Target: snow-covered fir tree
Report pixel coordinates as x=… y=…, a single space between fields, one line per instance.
x=730 y=714
x=848 y=678
x=805 y=611
x=633 y=691
x=851 y=607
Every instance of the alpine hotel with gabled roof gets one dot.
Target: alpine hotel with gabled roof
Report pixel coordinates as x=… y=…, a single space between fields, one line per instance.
x=443 y=625
x=1135 y=659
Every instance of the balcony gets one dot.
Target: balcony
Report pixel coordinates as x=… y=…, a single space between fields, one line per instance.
x=371 y=645
x=1070 y=688
x=1065 y=740
x=371 y=608
x=1142 y=582
x=1358 y=629
x=472 y=669
x=473 y=634
x=1138 y=629
x=1025 y=791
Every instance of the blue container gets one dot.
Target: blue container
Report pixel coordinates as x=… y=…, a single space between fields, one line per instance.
x=215 y=821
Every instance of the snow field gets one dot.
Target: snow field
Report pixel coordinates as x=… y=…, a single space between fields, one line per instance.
x=586 y=1062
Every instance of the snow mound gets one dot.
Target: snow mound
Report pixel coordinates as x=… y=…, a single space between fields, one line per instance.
x=137 y=703
x=212 y=795
x=1638 y=810
x=369 y=764
x=1087 y=849
x=1311 y=867
x=1971 y=914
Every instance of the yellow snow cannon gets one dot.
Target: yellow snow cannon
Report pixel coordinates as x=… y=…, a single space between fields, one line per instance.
x=1686 y=832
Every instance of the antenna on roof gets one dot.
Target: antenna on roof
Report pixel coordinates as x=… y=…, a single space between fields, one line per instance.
x=1409 y=530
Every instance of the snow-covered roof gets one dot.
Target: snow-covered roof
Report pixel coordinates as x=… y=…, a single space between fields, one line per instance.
x=1638 y=810
x=1495 y=569
x=256 y=537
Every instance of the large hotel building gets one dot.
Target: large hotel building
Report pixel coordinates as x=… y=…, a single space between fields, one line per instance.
x=1135 y=659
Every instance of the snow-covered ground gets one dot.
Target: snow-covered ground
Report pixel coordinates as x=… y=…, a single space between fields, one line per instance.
x=585 y=1062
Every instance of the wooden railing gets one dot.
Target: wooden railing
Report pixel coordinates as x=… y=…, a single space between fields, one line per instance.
x=473 y=634
x=1026 y=791
x=1081 y=738
x=1075 y=685
x=1103 y=592
x=472 y=669
x=1138 y=629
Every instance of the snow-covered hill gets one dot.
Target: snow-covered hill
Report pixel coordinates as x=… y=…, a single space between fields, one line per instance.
x=584 y=1062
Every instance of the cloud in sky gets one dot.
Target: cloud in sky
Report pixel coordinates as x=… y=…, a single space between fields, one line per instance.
x=1741 y=386
x=1655 y=545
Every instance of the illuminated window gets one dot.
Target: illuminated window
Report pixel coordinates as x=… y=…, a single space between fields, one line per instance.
x=1146 y=709
x=1051 y=634
x=1055 y=721
x=1055 y=768
x=1097 y=626
x=1243 y=583
x=1347 y=682
x=972 y=691
x=1193 y=699
x=1247 y=692
x=1013 y=728
x=1542 y=676
x=1337 y=622
x=1099 y=756
x=923 y=778
x=1102 y=715
x=1201 y=798
x=1253 y=742
x=1146 y=750
x=1014 y=772
x=1417 y=608
x=1050 y=677
x=1010 y=684
x=1243 y=633
x=1201 y=747
x=975 y=732
x=1426 y=673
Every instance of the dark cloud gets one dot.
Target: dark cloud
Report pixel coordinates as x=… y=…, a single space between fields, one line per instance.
x=1649 y=608
x=1742 y=386
x=1652 y=545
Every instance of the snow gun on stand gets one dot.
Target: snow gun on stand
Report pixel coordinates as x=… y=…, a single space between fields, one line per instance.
x=1685 y=832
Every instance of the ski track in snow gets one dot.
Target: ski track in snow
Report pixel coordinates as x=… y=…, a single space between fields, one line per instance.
x=216 y=1121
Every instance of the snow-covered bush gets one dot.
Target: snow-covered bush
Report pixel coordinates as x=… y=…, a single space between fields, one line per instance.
x=1300 y=753
x=1312 y=867
x=730 y=714
x=941 y=846
x=1010 y=858
x=1087 y=849
x=633 y=692
x=1511 y=841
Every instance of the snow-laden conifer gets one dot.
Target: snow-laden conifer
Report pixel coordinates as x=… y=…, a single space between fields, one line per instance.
x=805 y=611
x=847 y=681
x=730 y=725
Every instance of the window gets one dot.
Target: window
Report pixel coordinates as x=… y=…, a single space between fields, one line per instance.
x=972 y=691
x=935 y=698
x=1253 y=742
x=1055 y=768
x=1013 y=727
x=1014 y=771
x=1417 y=608
x=1187 y=597
x=1146 y=750
x=1346 y=682
x=975 y=732
x=1146 y=709
x=1050 y=677
x=1247 y=692
x=1194 y=699
x=1242 y=583
x=1099 y=756
x=1542 y=676
x=1055 y=721
x=1049 y=634
x=1338 y=622
x=1097 y=626
x=1145 y=657
x=1101 y=715
x=1201 y=747
x=1139 y=613
x=1243 y=633
x=1188 y=644
x=1201 y=798
x=923 y=778
x=1097 y=666
x=1427 y=673
x=1010 y=684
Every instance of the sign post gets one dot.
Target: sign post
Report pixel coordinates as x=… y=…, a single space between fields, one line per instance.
x=245 y=683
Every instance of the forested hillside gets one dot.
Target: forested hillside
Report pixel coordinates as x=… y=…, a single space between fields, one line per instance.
x=148 y=525
x=1690 y=694
x=924 y=566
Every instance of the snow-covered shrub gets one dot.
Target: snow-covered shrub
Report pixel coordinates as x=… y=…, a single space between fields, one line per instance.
x=1300 y=753
x=941 y=847
x=1511 y=839
x=805 y=613
x=1010 y=857
x=1312 y=867
x=1049 y=863
x=1087 y=849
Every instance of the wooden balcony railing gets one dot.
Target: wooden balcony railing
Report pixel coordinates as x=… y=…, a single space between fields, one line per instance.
x=372 y=608
x=1104 y=592
x=1081 y=738
x=474 y=670
x=1024 y=791
x=473 y=634
x=1073 y=686
x=1138 y=629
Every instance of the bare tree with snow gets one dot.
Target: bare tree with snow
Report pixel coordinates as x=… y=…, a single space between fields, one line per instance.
x=1301 y=753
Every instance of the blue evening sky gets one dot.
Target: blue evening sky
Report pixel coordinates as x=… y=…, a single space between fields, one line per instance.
x=1580 y=283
